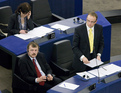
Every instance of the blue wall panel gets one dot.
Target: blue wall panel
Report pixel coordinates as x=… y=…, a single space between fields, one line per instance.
x=66 y=8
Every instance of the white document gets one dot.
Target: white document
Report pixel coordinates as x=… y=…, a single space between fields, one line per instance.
x=68 y=85
x=60 y=27
x=97 y=73
x=85 y=73
x=36 y=32
x=109 y=69
x=94 y=62
x=105 y=70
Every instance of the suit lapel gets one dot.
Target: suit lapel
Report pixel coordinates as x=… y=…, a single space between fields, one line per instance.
x=17 y=25
x=86 y=35
x=40 y=63
x=31 y=64
x=95 y=34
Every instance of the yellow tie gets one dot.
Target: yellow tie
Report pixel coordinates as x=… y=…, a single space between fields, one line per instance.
x=91 y=40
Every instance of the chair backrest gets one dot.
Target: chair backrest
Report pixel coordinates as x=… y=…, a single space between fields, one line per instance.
x=5 y=13
x=16 y=68
x=41 y=12
x=62 y=54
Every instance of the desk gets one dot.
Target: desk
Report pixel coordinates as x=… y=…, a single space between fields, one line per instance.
x=111 y=87
x=14 y=46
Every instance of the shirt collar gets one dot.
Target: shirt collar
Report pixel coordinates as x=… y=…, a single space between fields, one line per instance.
x=32 y=58
x=89 y=27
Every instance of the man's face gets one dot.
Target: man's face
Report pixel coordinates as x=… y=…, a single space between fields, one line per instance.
x=33 y=51
x=91 y=21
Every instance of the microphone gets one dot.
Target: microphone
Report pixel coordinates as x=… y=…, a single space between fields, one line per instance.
x=96 y=64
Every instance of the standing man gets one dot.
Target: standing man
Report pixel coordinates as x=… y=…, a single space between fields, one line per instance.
x=35 y=70
x=88 y=42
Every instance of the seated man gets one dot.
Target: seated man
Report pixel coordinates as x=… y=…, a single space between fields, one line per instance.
x=35 y=70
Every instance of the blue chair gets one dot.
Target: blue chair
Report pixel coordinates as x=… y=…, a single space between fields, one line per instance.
x=41 y=12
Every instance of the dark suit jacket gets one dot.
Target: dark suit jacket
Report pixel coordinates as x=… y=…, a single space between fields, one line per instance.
x=13 y=25
x=81 y=44
x=27 y=69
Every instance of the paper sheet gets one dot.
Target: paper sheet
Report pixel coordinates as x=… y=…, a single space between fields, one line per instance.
x=105 y=70
x=68 y=85
x=60 y=27
x=36 y=32
x=85 y=73
x=94 y=62
x=97 y=73
x=109 y=69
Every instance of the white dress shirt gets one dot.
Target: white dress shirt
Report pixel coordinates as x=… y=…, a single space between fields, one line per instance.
x=36 y=62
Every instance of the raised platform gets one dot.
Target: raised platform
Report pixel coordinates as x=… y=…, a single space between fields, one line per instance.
x=5 y=91
x=113 y=16
x=115 y=58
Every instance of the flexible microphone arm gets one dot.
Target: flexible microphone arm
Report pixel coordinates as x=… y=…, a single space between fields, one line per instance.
x=97 y=64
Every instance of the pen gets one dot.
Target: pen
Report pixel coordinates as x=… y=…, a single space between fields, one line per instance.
x=104 y=68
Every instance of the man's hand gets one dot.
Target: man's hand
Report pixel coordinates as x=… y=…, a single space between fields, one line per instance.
x=49 y=77
x=85 y=60
x=98 y=57
x=40 y=79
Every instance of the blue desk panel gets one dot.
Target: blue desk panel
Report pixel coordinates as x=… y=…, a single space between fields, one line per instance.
x=111 y=87
x=14 y=44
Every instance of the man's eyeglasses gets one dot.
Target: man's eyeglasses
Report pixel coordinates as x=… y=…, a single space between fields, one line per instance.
x=91 y=21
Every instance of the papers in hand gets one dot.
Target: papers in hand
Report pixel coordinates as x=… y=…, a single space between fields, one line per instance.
x=93 y=63
x=61 y=27
x=68 y=85
x=86 y=74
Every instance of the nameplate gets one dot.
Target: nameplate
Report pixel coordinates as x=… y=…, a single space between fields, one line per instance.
x=88 y=89
x=69 y=31
x=49 y=36
x=40 y=40
x=111 y=78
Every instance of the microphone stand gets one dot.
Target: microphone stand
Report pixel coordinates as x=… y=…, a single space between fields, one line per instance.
x=97 y=65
